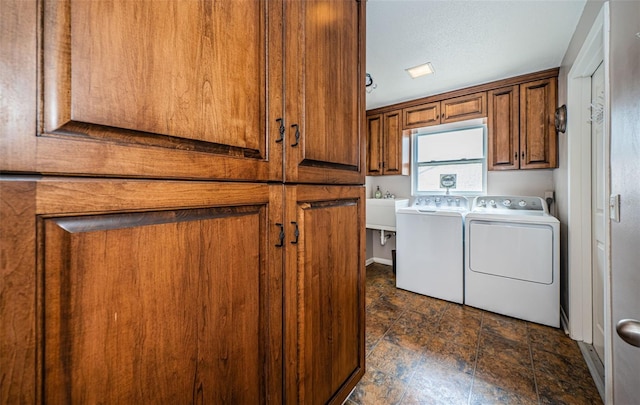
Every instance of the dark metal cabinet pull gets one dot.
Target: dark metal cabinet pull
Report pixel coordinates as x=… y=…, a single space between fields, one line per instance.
x=296 y=233
x=297 y=134
x=281 y=121
x=281 y=236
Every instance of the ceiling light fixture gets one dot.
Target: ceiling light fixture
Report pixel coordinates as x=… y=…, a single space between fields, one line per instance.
x=420 y=70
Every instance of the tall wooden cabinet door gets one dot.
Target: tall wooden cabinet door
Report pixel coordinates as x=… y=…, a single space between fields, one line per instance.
x=375 y=139
x=142 y=292
x=503 y=121
x=170 y=89
x=392 y=149
x=538 y=139
x=324 y=70
x=324 y=293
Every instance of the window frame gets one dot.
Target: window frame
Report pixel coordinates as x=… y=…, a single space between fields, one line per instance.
x=440 y=129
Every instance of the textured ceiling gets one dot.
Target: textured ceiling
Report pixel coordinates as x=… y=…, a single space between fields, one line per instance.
x=468 y=42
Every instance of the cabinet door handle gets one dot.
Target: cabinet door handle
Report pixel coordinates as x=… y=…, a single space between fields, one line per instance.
x=281 y=129
x=515 y=157
x=281 y=236
x=522 y=155
x=629 y=331
x=297 y=134
x=296 y=233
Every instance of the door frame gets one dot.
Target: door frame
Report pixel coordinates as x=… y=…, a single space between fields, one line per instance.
x=595 y=50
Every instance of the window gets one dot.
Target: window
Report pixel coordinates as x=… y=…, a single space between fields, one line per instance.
x=446 y=155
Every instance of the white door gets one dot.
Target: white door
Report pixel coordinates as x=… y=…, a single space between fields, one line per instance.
x=598 y=206
x=625 y=171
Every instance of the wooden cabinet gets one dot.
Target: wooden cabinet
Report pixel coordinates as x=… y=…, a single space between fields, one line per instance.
x=172 y=292
x=503 y=122
x=423 y=115
x=324 y=71
x=141 y=291
x=387 y=145
x=442 y=112
x=151 y=198
x=521 y=126
x=324 y=294
x=538 y=138
x=195 y=91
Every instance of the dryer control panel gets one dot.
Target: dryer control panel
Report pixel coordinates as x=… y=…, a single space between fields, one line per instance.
x=510 y=204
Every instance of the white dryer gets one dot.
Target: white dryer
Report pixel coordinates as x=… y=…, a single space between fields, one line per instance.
x=429 y=246
x=512 y=263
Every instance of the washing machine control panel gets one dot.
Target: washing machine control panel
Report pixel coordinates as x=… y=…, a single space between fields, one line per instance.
x=441 y=202
x=510 y=204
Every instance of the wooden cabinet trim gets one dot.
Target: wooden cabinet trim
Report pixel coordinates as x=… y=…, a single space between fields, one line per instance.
x=20 y=350
x=117 y=195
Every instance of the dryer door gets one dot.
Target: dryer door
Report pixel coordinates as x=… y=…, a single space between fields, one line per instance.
x=520 y=251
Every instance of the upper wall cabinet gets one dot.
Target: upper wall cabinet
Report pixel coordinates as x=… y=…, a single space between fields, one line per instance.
x=178 y=89
x=538 y=138
x=519 y=111
x=503 y=121
x=324 y=72
x=446 y=111
x=521 y=126
x=387 y=147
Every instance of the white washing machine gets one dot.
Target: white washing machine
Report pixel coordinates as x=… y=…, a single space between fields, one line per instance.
x=429 y=246
x=512 y=263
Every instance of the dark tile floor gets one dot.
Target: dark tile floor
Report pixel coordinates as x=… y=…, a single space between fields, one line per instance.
x=422 y=350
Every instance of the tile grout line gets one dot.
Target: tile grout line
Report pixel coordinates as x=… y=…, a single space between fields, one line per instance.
x=533 y=367
x=475 y=362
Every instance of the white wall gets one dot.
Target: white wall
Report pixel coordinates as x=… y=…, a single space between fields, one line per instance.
x=507 y=182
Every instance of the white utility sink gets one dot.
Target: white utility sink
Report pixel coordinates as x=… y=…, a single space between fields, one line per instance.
x=381 y=212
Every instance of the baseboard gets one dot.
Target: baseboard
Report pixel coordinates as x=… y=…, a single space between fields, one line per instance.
x=369 y=261
x=380 y=260
x=596 y=368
